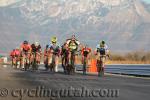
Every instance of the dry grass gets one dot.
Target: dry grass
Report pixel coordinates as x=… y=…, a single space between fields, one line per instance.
x=138 y=57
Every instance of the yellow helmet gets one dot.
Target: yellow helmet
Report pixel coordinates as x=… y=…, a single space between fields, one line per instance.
x=54 y=39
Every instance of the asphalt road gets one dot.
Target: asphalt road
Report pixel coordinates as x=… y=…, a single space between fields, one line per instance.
x=43 y=85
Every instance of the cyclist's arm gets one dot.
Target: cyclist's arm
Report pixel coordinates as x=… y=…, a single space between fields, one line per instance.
x=97 y=49
x=21 y=48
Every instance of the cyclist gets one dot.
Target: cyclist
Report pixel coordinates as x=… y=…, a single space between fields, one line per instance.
x=74 y=40
x=36 y=48
x=73 y=45
x=65 y=56
x=85 y=53
x=25 y=51
x=17 y=55
x=102 y=51
x=54 y=49
x=25 y=47
x=17 y=52
x=102 y=48
x=12 y=55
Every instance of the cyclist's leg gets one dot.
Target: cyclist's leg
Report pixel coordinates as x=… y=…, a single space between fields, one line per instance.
x=98 y=66
x=31 y=58
x=63 y=61
x=13 y=62
x=103 y=64
x=74 y=59
x=56 y=63
x=39 y=57
x=82 y=60
x=84 y=64
x=17 y=61
x=23 y=61
x=49 y=59
x=69 y=56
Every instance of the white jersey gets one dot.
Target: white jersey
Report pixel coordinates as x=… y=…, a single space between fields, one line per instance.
x=69 y=40
x=105 y=47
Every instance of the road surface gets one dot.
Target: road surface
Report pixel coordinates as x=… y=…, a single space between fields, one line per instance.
x=43 y=85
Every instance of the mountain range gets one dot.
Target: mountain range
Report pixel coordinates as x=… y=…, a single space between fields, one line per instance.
x=123 y=24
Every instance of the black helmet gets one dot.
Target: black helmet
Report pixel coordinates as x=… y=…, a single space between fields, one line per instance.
x=25 y=42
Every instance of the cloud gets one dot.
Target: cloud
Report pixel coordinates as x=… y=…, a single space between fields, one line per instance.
x=7 y=2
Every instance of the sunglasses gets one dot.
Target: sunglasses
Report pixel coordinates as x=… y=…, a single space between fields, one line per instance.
x=53 y=42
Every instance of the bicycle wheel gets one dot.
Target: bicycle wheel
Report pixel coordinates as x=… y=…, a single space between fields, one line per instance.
x=101 y=67
x=84 y=67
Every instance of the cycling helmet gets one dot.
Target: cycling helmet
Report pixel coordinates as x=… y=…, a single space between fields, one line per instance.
x=36 y=44
x=54 y=39
x=73 y=36
x=25 y=42
x=102 y=42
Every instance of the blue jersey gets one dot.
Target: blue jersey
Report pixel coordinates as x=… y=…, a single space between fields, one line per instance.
x=55 y=47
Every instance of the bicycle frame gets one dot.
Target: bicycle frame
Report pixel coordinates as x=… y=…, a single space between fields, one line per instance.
x=53 y=63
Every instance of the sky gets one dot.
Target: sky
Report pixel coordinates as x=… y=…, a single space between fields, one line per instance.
x=148 y=1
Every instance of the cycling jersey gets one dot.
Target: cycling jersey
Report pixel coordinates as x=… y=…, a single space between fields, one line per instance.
x=55 y=48
x=25 y=47
x=76 y=41
x=85 y=51
x=73 y=44
x=12 y=54
x=64 y=51
x=102 y=46
x=36 y=49
x=102 y=49
x=17 y=52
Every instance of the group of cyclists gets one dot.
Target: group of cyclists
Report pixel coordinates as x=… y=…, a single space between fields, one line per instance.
x=29 y=55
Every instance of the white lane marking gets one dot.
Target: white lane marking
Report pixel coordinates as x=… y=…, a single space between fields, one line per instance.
x=130 y=64
x=128 y=76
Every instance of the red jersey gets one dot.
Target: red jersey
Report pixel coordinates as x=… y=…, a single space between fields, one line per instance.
x=12 y=53
x=26 y=47
x=17 y=53
x=85 y=51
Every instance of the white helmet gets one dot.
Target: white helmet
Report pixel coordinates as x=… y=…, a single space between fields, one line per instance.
x=36 y=43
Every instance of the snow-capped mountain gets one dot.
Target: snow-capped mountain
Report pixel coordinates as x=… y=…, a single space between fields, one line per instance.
x=124 y=24
x=7 y=2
